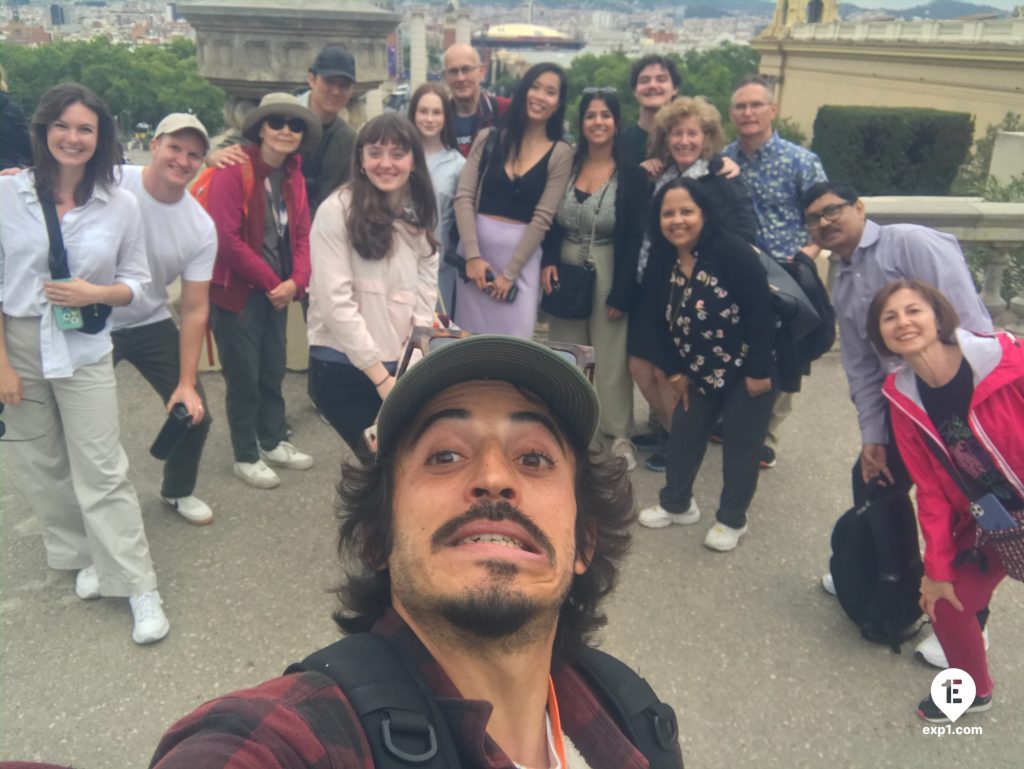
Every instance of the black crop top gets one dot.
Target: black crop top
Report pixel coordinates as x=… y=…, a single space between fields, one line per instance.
x=513 y=198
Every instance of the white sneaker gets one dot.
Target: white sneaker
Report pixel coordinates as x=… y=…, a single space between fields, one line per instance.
x=191 y=508
x=149 y=621
x=87 y=584
x=623 y=447
x=286 y=455
x=257 y=474
x=723 y=538
x=657 y=517
x=931 y=651
x=828 y=584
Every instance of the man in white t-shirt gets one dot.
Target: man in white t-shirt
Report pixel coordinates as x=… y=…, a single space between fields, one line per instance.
x=181 y=241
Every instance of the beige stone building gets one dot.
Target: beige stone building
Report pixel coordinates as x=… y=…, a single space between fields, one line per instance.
x=971 y=65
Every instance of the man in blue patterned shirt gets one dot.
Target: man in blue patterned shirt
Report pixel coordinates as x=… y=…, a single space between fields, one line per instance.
x=776 y=173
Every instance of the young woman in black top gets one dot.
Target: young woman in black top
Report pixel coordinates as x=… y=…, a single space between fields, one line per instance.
x=505 y=202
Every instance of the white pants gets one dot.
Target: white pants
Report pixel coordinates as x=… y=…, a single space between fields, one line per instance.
x=74 y=474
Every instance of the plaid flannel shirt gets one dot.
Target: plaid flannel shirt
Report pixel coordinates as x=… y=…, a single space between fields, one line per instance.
x=304 y=720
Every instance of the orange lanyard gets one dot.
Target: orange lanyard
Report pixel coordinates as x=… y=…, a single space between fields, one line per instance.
x=556 y=724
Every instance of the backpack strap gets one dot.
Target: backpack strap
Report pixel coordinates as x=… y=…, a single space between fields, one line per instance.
x=405 y=727
x=648 y=722
x=399 y=715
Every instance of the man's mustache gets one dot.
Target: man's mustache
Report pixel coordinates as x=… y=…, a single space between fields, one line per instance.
x=491 y=510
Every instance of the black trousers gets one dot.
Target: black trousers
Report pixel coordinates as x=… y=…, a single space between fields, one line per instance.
x=744 y=426
x=346 y=398
x=252 y=348
x=154 y=350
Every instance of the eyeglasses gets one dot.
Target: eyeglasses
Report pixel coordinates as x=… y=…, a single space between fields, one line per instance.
x=753 y=106
x=828 y=213
x=295 y=124
x=3 y=427
x=606 y=90
x=464 y=70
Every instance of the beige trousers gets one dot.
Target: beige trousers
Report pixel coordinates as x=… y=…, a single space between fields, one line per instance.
x=782 y=408
x=74 y=474
x=608 y=338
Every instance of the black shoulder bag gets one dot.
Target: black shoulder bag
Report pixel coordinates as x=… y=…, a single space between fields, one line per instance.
x=94 y=316
x=572 y=297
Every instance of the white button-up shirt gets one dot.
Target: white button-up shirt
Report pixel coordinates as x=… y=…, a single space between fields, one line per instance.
x=105 y=244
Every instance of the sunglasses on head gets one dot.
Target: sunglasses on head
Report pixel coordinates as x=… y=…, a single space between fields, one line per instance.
x=3 y=427
x=608 y=90
x=295 y=124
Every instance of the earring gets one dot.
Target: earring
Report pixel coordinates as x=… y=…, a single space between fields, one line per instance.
x=362 y=171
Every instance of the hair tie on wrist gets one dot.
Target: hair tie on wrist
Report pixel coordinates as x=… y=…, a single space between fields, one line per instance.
x=383 y=381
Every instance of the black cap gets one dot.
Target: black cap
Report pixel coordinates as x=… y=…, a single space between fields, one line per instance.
x=539 y=369
x=335 y=60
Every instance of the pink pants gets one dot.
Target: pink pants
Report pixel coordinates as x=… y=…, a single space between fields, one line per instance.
x=959 y=631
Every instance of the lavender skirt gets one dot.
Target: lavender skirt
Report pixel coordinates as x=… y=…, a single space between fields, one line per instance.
x=475 y=311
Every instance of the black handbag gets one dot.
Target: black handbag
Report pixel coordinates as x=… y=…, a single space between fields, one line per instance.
x=792 y=307
x=94 y=316
x=572 y=296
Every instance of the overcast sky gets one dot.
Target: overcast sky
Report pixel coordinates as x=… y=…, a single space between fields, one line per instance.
x=1007 y=5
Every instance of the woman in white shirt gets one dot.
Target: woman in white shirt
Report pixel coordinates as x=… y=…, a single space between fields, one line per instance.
x=374 y=275
x=432 y=113
x=69 y=462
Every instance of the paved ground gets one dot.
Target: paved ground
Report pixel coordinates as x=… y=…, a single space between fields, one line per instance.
x=763 y=668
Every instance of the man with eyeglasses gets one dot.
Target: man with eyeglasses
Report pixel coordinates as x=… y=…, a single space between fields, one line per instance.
x=328 y=165
x=478 y=543
x=475 y=108
x=776 y=173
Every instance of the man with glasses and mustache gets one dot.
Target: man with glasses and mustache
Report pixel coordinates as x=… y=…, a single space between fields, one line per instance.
x=478 y=542
x=475 y=108
x=870 y=257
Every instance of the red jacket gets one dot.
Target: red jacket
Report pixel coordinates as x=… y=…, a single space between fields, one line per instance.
x=996 y=417
x=240 y=267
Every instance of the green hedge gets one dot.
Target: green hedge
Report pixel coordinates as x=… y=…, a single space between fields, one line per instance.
x=892 y=151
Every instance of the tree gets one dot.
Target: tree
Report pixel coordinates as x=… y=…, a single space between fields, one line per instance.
x=138 y=84
x=710 y=73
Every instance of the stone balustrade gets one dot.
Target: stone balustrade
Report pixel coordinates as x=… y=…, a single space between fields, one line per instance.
x=958 y=32
x=995 y=229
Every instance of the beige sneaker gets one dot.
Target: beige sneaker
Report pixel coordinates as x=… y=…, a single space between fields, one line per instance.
x=723 y=538
x=257 y=474
x=287 y=456
x=657 y=517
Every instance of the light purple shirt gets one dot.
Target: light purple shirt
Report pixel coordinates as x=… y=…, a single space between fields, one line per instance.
x=883 y=255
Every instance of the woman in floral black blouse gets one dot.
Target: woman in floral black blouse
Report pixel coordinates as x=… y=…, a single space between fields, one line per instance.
x=719 y=316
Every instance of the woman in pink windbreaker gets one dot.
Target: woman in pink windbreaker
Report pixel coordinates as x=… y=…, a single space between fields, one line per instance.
x=957 y=408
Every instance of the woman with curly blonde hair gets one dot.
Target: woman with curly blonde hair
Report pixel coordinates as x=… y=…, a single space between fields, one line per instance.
x=685 y=142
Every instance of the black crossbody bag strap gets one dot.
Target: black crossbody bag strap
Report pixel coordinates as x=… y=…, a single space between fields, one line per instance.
x=58 y=254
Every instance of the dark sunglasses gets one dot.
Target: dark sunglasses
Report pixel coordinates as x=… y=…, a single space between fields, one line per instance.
x=607 y=90
x=3 y=427
x=295 y=124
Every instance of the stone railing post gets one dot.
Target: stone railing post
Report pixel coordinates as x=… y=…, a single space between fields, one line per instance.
x=997 y=256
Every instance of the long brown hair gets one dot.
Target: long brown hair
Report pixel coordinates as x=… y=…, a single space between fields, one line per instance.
x=100 y=168
x=370 y=219
x=441 y=92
